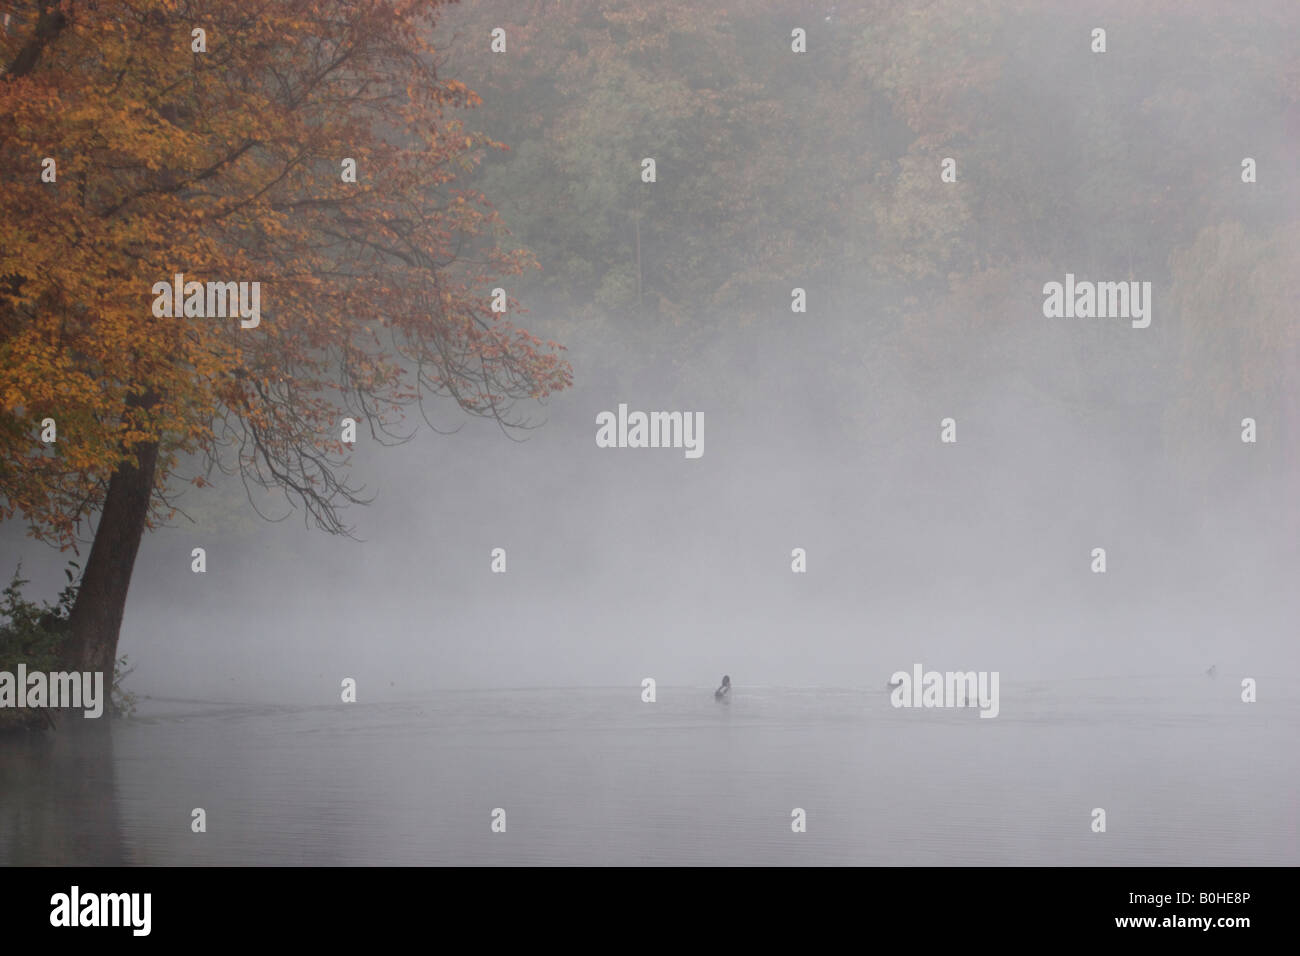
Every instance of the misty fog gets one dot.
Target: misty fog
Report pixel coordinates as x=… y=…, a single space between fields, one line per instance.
x=628 y=563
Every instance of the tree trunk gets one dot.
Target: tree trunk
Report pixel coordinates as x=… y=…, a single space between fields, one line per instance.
x=101 y=600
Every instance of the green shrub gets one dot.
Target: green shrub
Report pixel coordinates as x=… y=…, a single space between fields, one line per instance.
x=34 y=634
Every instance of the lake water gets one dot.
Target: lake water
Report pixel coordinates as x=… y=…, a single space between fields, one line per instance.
x=1186 y=773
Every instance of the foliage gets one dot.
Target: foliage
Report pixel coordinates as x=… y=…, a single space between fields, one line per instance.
x=32 y=634
x=775 y=170
x=122 y=701
x=821 y=170
x=225 y=165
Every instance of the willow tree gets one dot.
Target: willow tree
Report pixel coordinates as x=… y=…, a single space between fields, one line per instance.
x=310 y=146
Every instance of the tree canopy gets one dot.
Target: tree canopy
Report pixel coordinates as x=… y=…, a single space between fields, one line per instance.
x=134 y=147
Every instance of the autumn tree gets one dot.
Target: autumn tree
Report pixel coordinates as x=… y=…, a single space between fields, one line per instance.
x=141 y=139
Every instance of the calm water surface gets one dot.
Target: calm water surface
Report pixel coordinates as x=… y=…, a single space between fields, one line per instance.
x=1187 y=774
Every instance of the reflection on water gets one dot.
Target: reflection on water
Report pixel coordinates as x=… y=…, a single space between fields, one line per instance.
x=1187 y=775
x=57 y=799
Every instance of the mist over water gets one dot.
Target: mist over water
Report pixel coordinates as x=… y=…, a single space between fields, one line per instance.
x=633 y=563
x=822 y=432
x=594 y=776
x=628 y=563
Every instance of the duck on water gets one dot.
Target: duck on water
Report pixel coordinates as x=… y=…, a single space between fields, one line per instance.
x=723 y=694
